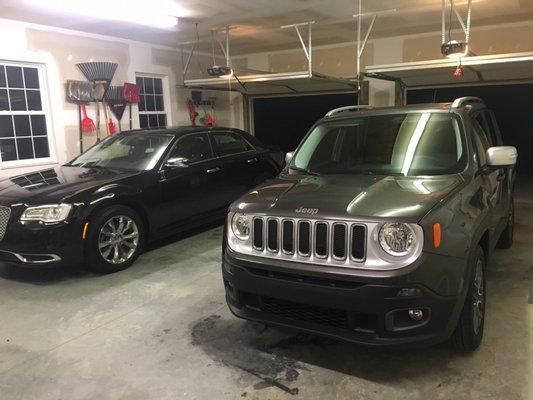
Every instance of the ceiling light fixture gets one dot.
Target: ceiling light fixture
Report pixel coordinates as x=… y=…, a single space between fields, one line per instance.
x=155 y=13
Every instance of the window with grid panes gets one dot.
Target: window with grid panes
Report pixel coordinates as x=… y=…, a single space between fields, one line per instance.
x=23 y=118
x=151 y=104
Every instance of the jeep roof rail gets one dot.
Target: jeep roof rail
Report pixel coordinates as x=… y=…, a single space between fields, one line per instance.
x=347 y=108
x=461 y=101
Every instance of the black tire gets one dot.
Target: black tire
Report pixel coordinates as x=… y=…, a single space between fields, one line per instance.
x=507 y=236
x=469 y=330
x=98 y=232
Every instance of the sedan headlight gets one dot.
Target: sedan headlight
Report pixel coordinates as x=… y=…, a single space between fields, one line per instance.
x=47 y=213
x=397 y=239
x=241 y=226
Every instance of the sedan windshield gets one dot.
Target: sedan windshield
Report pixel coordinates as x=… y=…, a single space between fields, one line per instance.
x=397 y=144
x=130 y=151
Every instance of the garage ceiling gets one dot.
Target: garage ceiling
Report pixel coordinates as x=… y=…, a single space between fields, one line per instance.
x=256 y=22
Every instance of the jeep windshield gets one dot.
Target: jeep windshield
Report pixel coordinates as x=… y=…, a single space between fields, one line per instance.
x=406 y=144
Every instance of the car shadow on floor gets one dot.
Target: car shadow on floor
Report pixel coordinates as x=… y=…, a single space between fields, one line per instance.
x=49 y=275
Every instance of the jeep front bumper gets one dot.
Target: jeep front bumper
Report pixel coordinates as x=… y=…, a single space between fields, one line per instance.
x=371 y=309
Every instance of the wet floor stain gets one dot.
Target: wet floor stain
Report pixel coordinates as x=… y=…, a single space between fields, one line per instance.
x=249 y=347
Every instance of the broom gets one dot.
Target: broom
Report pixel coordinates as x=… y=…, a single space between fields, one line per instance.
x=101 y=74
x=115 y=99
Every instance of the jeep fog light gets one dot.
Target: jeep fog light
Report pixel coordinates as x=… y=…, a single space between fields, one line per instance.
x=416 y=314
x=240 y=225
x=397 y=239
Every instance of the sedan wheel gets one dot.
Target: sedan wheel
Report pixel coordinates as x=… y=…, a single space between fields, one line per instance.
x=118 y=239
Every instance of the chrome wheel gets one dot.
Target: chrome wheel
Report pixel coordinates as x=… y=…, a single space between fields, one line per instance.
x=118 y=239
x=478 y=299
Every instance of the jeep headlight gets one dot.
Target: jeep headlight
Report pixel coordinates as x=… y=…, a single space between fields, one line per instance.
x=47 y=213
x=397 y=239
x=241 y=226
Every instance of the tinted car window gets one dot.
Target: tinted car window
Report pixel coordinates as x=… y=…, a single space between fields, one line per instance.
x=407 y=144
x=230 y=143
x=194 y=148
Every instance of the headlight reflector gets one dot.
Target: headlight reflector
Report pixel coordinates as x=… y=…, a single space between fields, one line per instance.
x=397 y=239
x=47 y=213
x=240 y=225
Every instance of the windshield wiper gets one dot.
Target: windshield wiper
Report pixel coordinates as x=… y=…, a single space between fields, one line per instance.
x=304 y=170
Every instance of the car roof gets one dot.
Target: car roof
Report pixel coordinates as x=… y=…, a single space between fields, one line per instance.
x=181 y=130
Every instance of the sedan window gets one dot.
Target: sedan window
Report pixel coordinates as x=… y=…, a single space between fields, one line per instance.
x=230 y=143
x=193 y=148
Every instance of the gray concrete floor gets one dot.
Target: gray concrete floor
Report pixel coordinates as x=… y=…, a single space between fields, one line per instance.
x=161 y=330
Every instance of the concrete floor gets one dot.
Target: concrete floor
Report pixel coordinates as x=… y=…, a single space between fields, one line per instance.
x=161 y=330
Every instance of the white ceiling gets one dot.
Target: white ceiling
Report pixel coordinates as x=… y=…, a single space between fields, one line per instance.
x=255 y=23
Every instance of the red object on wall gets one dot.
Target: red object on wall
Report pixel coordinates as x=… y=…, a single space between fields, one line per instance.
x=192 y=111
x=131 y=92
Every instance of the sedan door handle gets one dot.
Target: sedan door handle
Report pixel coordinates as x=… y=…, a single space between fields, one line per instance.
x=213 y=170
x=251 y=160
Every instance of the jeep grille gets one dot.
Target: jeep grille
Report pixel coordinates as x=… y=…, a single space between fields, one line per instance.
x=309 y=238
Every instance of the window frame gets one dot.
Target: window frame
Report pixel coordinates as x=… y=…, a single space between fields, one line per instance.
x=164 y=96
x=45 y=110
x=214 y=144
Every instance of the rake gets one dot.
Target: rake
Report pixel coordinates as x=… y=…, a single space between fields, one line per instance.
x=115 y=100
x=81 y=92
x=101 y=74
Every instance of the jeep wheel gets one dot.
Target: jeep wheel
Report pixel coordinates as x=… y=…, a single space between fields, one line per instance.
x=469 y=331
x=506 y=238
x=115 y=240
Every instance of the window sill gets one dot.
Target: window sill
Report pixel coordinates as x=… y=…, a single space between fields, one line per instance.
x=26 y=164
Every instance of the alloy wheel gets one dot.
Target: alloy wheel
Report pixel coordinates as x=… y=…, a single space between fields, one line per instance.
x=118 y=239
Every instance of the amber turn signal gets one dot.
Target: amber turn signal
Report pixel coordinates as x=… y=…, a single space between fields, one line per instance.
x=85 y=230
x=436 y=235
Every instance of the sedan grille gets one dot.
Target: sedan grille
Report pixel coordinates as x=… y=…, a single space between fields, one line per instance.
x=308 y=239
x=5 y=213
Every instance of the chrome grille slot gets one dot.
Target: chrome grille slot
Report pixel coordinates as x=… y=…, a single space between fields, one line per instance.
x=335 y=243
x=258 y=233
x=321 y=239
x=339 y=241
x=304 y=238
x=272 y=235
x=288 y=236
x=5 y=213
x=358 y=240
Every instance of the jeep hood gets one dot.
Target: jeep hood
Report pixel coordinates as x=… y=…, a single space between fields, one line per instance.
x=344 y=196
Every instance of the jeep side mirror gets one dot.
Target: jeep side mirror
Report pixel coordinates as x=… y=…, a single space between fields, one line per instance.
x=501 y=156
x=177 y=162
x=288 y=157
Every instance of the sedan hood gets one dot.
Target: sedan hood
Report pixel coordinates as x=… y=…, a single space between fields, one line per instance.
x=346 y=196
x=54 y=185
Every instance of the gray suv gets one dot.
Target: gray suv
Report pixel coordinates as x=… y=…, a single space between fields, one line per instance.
x=379 y=229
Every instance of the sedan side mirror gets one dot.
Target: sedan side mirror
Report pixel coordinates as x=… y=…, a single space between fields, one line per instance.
x=177 y=162
x=288 y=157
x=501 y=156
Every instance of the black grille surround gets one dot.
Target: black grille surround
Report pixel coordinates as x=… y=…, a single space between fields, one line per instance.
x=308 y=240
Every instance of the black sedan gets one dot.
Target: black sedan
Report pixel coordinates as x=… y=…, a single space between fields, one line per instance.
x=104 y=205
